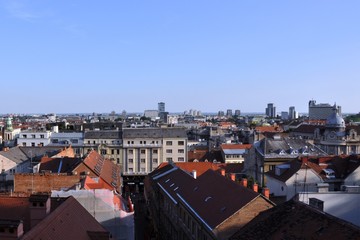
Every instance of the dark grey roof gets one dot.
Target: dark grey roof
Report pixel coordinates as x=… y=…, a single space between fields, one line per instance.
x=154 y=133
x=286 y=147
x=15 y=154
x=38 y=152
x=103 y=134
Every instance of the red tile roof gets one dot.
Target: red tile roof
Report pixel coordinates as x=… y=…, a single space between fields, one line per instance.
x=69 y=221
x=235 y=146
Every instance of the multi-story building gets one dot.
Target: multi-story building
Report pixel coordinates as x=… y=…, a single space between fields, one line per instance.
x=229 y=113
x=31 y=138
x=106 y=142
x=335 y=138
x=144 y=149
x=161 y=107
x=195 y=205
x=237 y=113
x=292 y=113
x=270 y=111
x=321 y=111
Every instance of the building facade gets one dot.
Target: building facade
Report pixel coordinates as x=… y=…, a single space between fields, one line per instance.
x=321 y=111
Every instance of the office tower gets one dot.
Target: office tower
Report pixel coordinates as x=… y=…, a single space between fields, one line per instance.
x=161 y=107
x=270 y=111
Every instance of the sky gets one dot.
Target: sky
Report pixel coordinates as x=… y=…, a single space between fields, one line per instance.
x=102 y=56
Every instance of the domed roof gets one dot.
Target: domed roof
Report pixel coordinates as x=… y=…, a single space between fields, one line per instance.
x=334 y=120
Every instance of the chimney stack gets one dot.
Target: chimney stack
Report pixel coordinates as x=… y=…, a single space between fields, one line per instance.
x=39 y=208
x=11 y=229
x=266 y=192
x=222 y=172
x=244 y=182
x=255 y=187
x=232 y=176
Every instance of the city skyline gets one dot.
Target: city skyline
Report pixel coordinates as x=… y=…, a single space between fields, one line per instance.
x=70 y=57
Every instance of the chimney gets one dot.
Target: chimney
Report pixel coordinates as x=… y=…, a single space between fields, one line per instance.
x=244 y=182
x=131 y=206
x=232 y=176
x=11 y=229
x=266 y=192
x=193 y=173
x=255 y=187
x=222 y=172
x=39 y=208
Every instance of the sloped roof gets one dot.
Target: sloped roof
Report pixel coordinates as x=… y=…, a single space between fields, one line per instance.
x=295 y=220
x=61 y=224
x=235 y=146
x=103 y=134
x=58 y=165
x=294 y=166
x=17 y=208
x=104 y=168
x=211 y=196
x=15 y=154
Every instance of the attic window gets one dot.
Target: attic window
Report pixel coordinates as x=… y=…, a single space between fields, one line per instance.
x=207 y=199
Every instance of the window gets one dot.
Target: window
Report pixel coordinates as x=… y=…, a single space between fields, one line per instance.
x=168 y=150
x=128 y=142
x=155 y=160
x=89 y=142
x=131 y=151
x=74 y=140
x=94 y=142
x=112 y=151
x=33 y=136
x=181 y=150
x=24 y=144
x=118 y=160
x=144 y=142
x=140 y=142
x=142 y=169
x=41 y=135
x=103 y=151
x=132 y=142
x=117 y=151
x=33 y=144
x=169 y=159
x=168 y=143
x=142 y=160
x=181 y=143
x=155 y=151
x=142 y=151
x=55 y=140
x=181 y=159
x=131 y=170
x=131 y=160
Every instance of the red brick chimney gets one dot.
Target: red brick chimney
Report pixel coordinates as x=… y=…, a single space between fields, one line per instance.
x=232 y=176
x=39 y=208
x=255 y=187
x=244 y=182
x=222 y=172
x=266 y=192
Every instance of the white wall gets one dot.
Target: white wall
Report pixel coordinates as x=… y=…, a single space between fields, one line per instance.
x=310 y=177
x=354 y=178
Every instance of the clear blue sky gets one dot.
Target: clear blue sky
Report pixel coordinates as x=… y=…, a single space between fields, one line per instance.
x=99 y=56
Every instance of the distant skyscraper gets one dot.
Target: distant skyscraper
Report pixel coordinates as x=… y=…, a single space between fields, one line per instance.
x=161 y=107
x=229 y=113
x=292 y=113
x=270 y=111
x=221 y=113
x=237 y=113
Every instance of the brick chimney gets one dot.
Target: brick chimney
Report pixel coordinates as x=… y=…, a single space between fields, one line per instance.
x=266 y=192
x=244 y=182
x=232 y=176
x=11 y=229
x=222 y=172
x=255 y=187
x=39 y=208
